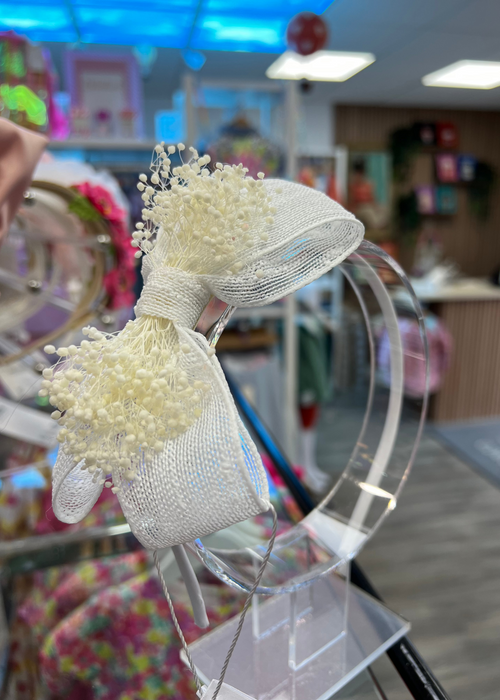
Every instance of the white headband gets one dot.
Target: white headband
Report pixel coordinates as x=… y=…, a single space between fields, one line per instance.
x=148 y=410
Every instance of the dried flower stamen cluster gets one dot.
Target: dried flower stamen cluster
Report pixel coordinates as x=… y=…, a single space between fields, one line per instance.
x=120 y=397
x=200 y=221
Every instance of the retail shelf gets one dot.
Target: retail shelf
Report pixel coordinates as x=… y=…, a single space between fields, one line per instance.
x=261 y=312
x=316 y=153
x=102 y=145
x=279 y=311
x=40 y=543
x=133 y=145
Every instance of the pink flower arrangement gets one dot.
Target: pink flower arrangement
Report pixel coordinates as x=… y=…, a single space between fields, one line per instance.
x=119 y=286
x=118 y=282
x=101 y=200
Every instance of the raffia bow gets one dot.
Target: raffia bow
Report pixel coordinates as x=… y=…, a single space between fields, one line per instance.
x=147 y=411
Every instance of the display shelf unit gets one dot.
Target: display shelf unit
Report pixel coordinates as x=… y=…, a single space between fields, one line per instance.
x=116 y=155
x=102 y=145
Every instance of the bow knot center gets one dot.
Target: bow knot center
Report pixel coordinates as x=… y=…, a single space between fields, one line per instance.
x=172 y=294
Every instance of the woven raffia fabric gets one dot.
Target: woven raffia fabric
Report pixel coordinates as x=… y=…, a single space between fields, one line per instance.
x=209 y=474
x=311 y=234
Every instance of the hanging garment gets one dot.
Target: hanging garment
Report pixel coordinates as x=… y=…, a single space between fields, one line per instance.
x=440 y=347
x=314 y=369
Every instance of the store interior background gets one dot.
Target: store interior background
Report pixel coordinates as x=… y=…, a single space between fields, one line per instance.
x=437 y=559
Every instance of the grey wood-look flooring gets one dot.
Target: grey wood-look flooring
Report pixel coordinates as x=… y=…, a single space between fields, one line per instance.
x=436 y=561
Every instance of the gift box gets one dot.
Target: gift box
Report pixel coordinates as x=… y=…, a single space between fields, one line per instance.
x=446 y=135
x=426 y=133
x=446 y=167
x=446 y=200
x=466 y=168
x=426 y=200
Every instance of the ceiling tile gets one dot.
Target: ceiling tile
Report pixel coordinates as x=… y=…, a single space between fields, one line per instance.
x=478 y=17
x=412 y=13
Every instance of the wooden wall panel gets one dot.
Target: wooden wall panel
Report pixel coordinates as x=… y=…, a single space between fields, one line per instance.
x=471 y=388
x=474 y=245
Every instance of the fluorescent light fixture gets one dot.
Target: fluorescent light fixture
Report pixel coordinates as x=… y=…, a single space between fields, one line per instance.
x=226 y=33
x=335 y=66
x=478 y=75
x=132 y=25
x=374 y=490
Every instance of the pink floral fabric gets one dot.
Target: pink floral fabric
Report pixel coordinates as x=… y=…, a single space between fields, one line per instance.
x=55 y=593
x=122 y=645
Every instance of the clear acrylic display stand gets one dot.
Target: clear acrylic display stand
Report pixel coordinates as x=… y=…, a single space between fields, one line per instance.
x=311 y=630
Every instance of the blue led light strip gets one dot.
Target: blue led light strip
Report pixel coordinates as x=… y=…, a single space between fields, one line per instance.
x=224 y=25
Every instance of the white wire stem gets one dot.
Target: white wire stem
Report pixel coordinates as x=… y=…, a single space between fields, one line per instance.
x=248 y=601
x=176 y=622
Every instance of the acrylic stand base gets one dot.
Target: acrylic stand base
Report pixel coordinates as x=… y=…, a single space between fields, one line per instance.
x=303 y=645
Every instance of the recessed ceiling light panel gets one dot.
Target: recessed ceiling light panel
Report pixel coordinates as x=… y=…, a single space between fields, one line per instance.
x=478 y=75
x=334 y=66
